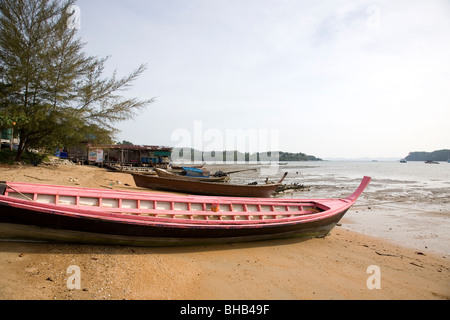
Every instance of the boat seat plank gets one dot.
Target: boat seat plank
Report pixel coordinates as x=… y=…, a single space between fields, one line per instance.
x=136 y=211
x=107 y=203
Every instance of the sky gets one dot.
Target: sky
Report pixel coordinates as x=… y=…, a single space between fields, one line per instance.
x=333 y=79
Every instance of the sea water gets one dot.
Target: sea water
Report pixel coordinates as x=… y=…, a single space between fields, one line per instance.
x=406 y=203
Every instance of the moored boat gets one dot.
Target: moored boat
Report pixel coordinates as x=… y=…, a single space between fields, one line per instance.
x=127 y=169
x=187 y=177
x=84 y=215
x=206 y=188
x=181 y=166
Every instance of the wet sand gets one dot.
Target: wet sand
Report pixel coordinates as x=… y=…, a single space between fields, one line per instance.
x=331 y=268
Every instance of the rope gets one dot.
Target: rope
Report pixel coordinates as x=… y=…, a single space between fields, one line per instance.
x=26 y=197
x=387 y=202
x=397 y=207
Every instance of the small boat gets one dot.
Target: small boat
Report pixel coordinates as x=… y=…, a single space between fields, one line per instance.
x=180 y=166
x=36 y=212
x=206 y=188
x=431 y=162
x=202 y=176
x=127 y=169
x=403 y=161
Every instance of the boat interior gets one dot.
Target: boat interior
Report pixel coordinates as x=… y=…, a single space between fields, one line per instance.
x=162 y=206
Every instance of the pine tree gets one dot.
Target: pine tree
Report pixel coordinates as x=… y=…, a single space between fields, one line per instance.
x=47 y=81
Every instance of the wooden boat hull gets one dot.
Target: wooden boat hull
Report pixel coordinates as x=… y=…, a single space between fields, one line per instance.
x=72 y=230
x=205 y=188
x=36 y=212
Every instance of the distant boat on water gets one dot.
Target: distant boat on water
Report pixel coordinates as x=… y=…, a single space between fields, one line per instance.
x=431 y=162
x=403 y=161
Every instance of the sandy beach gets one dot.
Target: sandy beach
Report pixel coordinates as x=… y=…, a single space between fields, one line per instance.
x=335 y=267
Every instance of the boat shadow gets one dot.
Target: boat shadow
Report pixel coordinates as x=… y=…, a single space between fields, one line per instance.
x=32 y=247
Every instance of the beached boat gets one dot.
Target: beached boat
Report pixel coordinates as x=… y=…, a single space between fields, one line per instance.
x=127 y=169
x=82 y=215
x=206 y=188
x=181 y=166
x=203 y=176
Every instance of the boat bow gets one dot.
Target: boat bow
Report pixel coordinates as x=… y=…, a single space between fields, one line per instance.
x=364 y=183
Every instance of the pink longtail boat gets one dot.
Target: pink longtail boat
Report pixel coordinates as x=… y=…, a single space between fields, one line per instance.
x=97 y=216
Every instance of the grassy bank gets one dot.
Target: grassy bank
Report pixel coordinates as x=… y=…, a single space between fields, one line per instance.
x=8 y=156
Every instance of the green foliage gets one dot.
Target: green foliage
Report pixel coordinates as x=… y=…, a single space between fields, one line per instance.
x=8 y=156
x=184 y=153
x=57 y=94
x=285 y=156
x=126 y=143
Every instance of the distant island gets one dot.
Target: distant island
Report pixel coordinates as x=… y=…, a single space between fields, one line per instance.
x=286 y=156
x=196 y=155
x=438 y=155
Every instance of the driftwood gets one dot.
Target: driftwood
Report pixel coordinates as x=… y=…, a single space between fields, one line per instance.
x=292 y=186
x=387 y=255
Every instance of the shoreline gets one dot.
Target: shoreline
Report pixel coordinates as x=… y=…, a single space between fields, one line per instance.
x=331 y=268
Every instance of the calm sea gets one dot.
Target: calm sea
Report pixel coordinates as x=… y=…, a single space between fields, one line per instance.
x=406 y=203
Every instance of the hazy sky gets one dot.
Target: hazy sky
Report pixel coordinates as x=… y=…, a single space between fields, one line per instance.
x=328 y=78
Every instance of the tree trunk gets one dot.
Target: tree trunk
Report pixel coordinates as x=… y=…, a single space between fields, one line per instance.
x=20 y=149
